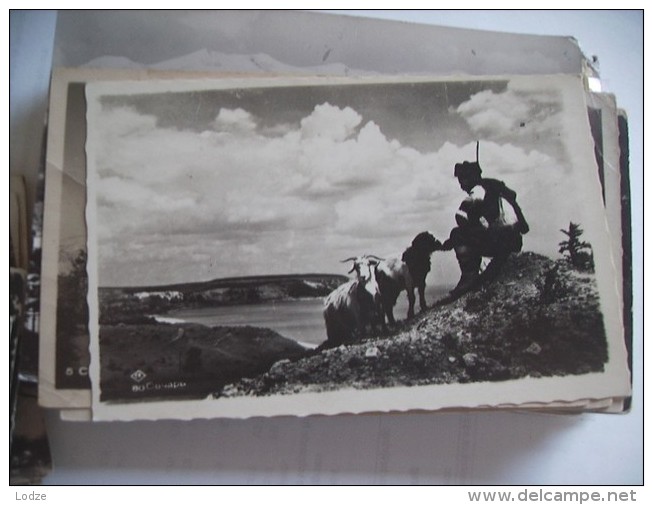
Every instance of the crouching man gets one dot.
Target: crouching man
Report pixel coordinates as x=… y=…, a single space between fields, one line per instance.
x=490 y=224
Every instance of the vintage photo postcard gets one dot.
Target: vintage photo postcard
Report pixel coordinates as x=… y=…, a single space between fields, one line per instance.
x=63 y=330
x=609 y=129
x=64 y=358
x=321 y=246
x=63 y=345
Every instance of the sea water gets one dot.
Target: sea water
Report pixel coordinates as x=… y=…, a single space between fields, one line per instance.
x=300 y=319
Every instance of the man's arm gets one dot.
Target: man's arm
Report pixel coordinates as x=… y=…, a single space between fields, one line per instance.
x=511 y=197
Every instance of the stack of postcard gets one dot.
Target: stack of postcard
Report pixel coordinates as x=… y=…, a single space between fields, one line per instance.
x=236 y=244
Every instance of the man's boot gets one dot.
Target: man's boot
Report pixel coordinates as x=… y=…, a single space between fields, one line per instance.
x=470 y=265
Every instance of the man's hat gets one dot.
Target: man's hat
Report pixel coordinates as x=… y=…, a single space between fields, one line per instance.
x=467 y=168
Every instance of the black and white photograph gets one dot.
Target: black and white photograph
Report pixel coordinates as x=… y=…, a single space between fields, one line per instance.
x=63 y=351
x=72 y=357
x=294 y=246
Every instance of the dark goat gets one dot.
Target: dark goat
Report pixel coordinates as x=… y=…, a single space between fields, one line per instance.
x=418 y=259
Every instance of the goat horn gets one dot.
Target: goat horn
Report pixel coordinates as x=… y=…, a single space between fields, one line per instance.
x=375 y=257
x=348 y=259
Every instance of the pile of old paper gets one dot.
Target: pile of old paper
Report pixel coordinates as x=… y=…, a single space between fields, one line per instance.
x=203 y=212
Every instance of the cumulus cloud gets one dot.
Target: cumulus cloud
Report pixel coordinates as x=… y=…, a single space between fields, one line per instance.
x=510 y=114
x=234 y=120
x=124 y=121
x=241 y=201
x=330 y=122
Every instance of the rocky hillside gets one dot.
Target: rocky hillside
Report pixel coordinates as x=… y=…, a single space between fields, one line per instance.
x=539 y=317
x=159 y=360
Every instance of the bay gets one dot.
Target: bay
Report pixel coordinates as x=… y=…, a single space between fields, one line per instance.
x=299 y=319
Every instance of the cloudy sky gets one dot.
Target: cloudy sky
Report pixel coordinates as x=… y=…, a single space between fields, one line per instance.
x=195 y=185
